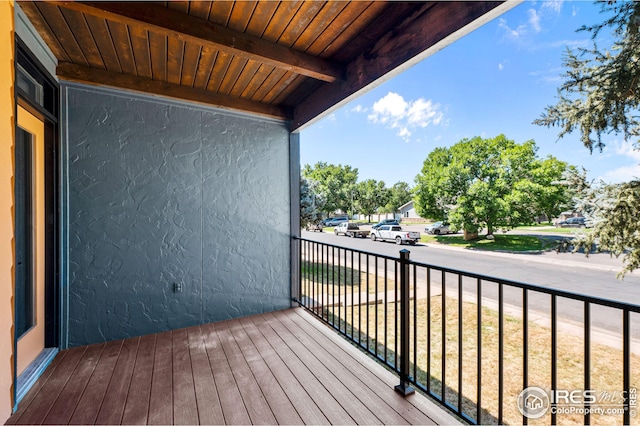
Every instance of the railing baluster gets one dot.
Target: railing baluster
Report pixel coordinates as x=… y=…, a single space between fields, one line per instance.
x=301 y=274
x=386 y=314
x=460 y=338
x=626 y=366
x=345 y=292
x=587 y=358
x=444 y=337
x=333 y=284
x=314 y=274
x=368 y=305
x=525 y=344
x=339 y=300
x=395 y=313
x=376 y=309
x=359 y=298
x=429 y=330
x=554 y=350
x=323 y=272
x=353 y=300
x=415 y=323
x=500 y=355
x=479 y=352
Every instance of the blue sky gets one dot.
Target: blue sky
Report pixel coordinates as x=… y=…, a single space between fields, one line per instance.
x=495 y=80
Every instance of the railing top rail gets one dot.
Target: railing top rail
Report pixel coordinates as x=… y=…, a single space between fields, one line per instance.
x=551 y=291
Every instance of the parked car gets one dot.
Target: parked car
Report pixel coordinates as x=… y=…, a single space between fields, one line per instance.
x=439 y=228
x=573 y=222
x=314 y=226
x=385 y=222
x=335 y=221
x=325 y=222
x=394 y=233
x=350 y=229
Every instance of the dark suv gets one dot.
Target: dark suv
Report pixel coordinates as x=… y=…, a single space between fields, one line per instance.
x=386 y=222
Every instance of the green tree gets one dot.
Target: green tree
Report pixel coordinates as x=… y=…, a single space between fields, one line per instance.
x=436 y=191
x=334 y=183
x=486 y=182
x=398 y=195
x=540 y=194
x=600 y=95
x=371 y=195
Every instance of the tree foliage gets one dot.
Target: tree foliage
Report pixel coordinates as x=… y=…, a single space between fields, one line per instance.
x=600 y=95
x=311 y=202
x=336 y=185
x=488 y=182
x=398 y=195
x=371 y=195
x=600 y=92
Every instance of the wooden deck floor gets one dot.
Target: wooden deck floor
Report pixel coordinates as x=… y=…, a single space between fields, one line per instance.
x=279 y=368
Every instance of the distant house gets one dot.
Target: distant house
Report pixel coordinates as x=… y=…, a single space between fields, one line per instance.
x=408 y=211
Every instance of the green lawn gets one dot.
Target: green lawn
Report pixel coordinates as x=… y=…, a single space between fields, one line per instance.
x=505 y=242
x=552 y=229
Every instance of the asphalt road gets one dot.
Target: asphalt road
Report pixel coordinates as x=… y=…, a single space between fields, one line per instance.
x=594 y=276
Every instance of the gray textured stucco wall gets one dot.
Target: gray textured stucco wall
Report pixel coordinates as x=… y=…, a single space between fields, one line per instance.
x=163 y=193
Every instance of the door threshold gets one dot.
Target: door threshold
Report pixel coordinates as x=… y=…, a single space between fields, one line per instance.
x=32 y=372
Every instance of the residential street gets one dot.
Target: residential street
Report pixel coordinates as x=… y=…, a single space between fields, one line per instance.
x=594 y=276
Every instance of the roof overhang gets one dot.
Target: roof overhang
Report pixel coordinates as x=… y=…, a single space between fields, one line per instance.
x=290 y=60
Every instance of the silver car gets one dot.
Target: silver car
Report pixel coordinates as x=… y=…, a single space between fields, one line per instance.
x=438 y=228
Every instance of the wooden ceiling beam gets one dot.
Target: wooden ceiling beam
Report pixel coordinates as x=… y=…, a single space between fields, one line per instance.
x=427 y=30
x=87 y=75
x=159 y=19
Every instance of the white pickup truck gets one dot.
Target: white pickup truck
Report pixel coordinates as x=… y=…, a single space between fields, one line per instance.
x=394 y=233
x=350 y=229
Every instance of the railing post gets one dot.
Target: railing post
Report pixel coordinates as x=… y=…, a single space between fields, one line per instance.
x=404 y=388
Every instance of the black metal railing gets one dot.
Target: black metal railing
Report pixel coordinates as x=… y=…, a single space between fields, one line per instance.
x=475 y=343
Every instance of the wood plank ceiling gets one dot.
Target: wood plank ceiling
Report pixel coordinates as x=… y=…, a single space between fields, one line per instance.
x=291 y=60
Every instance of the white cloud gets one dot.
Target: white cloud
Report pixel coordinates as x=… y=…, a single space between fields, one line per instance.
x=524 y=33
x=513 y=34
x=627 y=149
x=395 y=112
x=553 y=5
x=622 y=174
x=627 y=172
x=358 y=108
x=534 y=20
x=500 y=66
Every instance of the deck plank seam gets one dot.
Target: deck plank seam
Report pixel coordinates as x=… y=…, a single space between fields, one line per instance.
x=306 y=370
x=87 y=381
x=284 y=365
x=258 y=367
x=325 y=375
x=363 y=396
x=213 y=378
x=240 y=366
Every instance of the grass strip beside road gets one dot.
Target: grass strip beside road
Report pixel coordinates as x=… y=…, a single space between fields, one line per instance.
x=506 y=242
